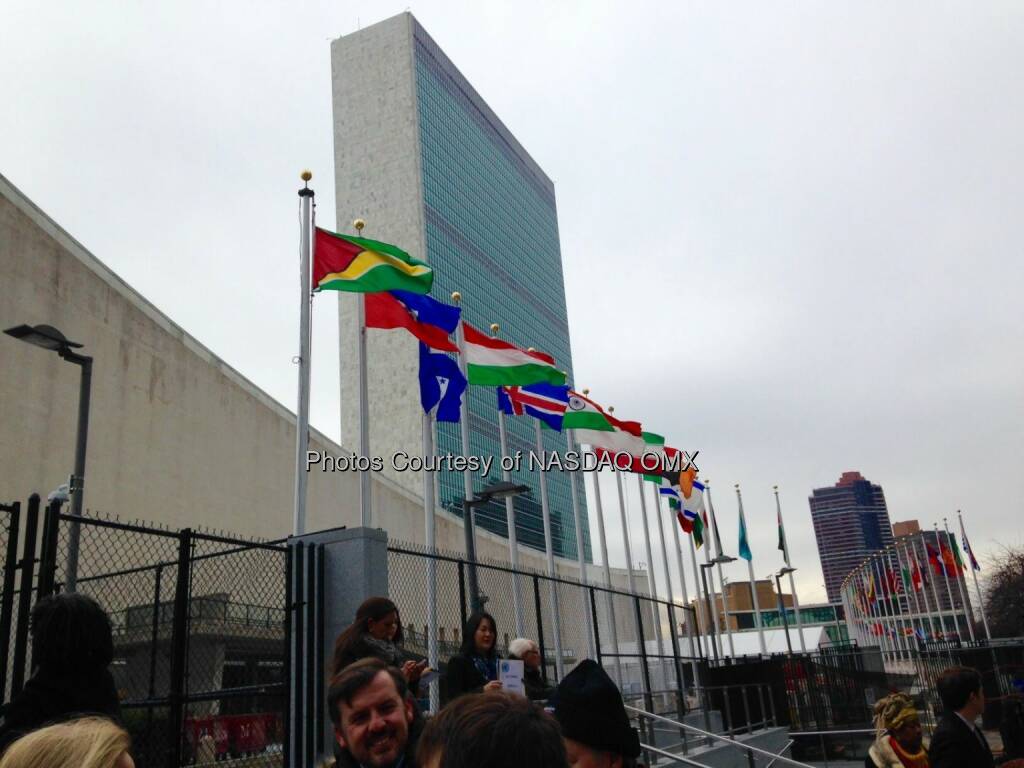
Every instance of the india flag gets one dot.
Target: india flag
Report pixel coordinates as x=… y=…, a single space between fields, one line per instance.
x=599 y=429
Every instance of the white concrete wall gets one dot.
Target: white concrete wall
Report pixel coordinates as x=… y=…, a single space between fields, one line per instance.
x=176 y=436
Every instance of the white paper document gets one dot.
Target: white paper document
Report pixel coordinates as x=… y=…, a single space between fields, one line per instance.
x=510 y=673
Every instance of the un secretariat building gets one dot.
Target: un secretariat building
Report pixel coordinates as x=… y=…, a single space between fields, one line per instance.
x=421 y=157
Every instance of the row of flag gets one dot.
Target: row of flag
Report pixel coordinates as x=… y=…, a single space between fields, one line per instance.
x=528 y=382
x=909 y=589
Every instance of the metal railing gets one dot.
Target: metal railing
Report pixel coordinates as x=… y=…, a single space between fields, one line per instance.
x=870 y=733
x=748 y=748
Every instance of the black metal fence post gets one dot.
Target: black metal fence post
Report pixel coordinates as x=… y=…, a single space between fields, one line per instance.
x=286 y=671
x=540 y=623
x=597 y=631
x=462 y=596
x=179 y=651
x=48 y=550
x=648 y=696
x=313 y=553
x=7 y=598
x=297 y=697
x=27 y=565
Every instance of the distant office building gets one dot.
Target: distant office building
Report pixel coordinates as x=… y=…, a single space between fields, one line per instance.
x=425 y=161
x=850 y=522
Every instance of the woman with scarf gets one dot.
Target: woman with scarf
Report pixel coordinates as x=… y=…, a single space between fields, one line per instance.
x=376 y=632
x=899 y=741
x=475 y=668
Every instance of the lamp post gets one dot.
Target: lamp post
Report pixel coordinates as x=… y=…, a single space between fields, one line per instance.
x=48 y=337
x=707 y=599
x=782 y=605
x=491 y=493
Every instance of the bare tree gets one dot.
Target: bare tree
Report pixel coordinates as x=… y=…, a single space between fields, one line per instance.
x=1004 y=593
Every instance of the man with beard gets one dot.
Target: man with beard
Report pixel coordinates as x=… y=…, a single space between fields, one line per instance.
x=376 y=724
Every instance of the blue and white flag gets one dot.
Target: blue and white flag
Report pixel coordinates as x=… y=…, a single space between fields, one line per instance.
x=441 y=384
x=546 y=402
x=430 y=311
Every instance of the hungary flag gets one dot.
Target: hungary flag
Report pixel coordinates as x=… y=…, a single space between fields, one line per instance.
x=358 y=265
x=491 y=362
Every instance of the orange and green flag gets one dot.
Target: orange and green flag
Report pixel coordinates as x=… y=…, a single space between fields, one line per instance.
x=359 y=265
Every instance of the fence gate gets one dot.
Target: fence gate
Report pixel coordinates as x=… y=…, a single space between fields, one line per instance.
x=199 y=628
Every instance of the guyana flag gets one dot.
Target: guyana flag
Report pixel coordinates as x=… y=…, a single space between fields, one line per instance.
x=358 y=265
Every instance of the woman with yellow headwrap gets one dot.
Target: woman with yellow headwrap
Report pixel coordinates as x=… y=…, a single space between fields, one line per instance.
x=899 y=740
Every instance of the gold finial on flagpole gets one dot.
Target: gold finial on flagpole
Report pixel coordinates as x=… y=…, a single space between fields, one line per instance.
x=530 y=349
x=359 y=224
x=775 y=487
x=306 y=175
x=611 y=409
x=586 y=390
x=494 y=329
x=456 y=297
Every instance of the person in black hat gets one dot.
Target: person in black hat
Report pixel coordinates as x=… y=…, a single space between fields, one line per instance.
x=595 y=726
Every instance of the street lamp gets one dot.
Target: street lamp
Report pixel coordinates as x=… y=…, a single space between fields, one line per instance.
x=48 y=337
x=782 y=606
x=495 y=492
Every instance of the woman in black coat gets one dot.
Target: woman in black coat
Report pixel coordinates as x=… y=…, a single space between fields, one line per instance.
x=475 y=668
x=72 y=647
x=376 y=632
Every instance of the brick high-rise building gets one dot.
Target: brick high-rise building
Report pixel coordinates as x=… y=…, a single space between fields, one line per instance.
x=850 y=522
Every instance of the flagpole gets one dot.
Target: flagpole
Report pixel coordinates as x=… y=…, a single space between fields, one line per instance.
x=880 y=606
x=718 y=563
x=935 y=622
x=549 y=550
x=900 y=599
x=655 y=612
x=609 y=603
x=625 y=531
x=510 y=519
x=914 y=565
x=698 y=603
x=682 y=576
x=974 y=575
x=513 y=539
x=789 y=566
x=661 y=538
x=912 y=589
x=931 y=582
x=753 y=580
x=305 y=344
x=710 y=605
x=365 y=500
x=709 y=632
x=431 y=538
x=945 y=576
x=580 y=554
x=964 y=601
x=886 y=568
x=468 y=528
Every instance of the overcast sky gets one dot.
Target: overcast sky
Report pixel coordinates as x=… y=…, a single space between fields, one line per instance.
x=792 y=233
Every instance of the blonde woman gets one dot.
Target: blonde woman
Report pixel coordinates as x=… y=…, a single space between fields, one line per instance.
x=90 y=742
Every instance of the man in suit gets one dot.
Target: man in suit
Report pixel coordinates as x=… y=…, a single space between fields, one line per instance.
x=957 y=741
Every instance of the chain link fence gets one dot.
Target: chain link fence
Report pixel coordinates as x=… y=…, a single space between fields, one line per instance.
x=199 y=630
x=633 y=636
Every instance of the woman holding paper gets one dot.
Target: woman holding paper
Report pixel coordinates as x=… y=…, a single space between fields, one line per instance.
x=475 y=668
x=535 y=685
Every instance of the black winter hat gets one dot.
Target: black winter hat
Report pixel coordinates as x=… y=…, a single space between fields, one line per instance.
x=588 y=706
